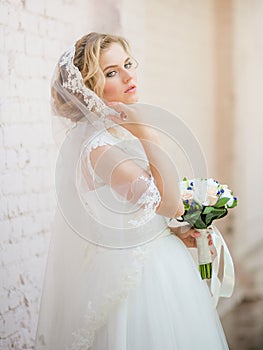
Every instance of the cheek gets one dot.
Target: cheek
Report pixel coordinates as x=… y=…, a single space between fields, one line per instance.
x=111 y=90
x=134 y=76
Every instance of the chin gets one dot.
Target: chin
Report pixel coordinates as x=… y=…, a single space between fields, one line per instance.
x=132 y=100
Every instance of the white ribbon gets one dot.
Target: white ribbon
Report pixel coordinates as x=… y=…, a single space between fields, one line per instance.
x=203 y=250
x=225 y=287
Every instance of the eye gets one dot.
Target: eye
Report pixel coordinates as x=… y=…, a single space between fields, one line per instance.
x=111 y=74
x=128 y=65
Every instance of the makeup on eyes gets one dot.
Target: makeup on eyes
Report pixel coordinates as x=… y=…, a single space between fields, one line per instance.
x=109 y=74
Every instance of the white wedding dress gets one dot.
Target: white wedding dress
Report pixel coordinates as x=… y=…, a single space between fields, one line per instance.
x=170 y=308
x=146 y=297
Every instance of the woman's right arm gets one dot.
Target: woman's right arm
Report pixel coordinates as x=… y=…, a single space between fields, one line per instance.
x=162 y=167
x=131 y=181
x=164 y=173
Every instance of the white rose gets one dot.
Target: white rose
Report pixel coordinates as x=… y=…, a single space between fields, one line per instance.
x=212 y=195
x=187 y=194
x=212 y=183
x=227 y=194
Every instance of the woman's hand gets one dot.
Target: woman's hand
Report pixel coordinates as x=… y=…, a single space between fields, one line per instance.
x=131 y=118
x=188 y=236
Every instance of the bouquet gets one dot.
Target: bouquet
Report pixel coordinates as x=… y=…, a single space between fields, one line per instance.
x=205 y=200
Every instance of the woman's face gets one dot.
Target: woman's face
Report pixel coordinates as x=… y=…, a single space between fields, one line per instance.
x=120 y=75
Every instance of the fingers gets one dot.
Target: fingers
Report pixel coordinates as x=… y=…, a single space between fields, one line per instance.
x=121 y=109
x=186 y=231
x=114 y=105
x=195 y=233
x=183 y=230
x=210 y=241
x=212 y=247
x=117 y=106
x=123 y=115
x=188 y=235
x=190 y=241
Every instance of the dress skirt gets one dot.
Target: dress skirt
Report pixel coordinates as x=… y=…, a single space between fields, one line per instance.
x=170 y=308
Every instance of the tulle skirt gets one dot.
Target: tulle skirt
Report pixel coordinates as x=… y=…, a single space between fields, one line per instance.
x=170 y=308
x=97 y=299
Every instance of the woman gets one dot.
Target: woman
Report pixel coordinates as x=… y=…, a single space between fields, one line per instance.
x=116 y=277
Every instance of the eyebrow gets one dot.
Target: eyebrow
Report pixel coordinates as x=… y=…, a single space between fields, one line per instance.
x=113 y=66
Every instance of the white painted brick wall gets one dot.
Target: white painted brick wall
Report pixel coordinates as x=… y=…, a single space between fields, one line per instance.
x=33 y=34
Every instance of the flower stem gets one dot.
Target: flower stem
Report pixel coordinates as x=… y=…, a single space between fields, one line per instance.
x=206 y=271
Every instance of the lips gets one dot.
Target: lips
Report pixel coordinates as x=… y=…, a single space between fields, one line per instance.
x=131 y=88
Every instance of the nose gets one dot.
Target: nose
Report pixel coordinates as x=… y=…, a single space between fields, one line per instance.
x=127 y=75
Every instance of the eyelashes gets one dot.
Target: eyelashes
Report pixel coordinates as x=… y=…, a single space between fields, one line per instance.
x=111 y=74
x=127 y=65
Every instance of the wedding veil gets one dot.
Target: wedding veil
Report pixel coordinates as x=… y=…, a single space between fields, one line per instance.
x=96 y=251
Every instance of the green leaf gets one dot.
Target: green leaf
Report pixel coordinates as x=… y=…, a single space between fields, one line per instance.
x=200 y=224
x=195 y=219
x=221 y=202
x=186 y=207
x=233 y=205
x=207 y=210
x=192 y=216
x=215 y=215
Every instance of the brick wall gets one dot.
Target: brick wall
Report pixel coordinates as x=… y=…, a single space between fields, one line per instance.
x=174 y=43
x=32 y=34
x=179 y=66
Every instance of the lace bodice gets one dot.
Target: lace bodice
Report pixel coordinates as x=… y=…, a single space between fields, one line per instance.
x=148 y=200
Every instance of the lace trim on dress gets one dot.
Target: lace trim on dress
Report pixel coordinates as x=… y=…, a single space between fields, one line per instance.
x=149 y=201
x=101 y=140
x=84 y=337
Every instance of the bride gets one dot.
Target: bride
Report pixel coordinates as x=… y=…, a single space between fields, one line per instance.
x=117 y=277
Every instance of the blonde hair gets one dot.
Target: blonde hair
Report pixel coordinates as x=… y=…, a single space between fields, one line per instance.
x=87 y=55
